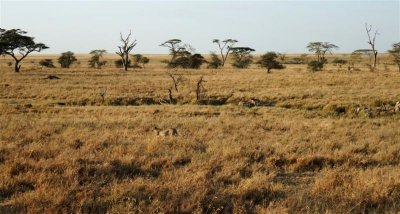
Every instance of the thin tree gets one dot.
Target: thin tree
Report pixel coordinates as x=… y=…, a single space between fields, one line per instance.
x=174 y=46
x=15 y=40
x=125 y=49
x=225 y=47
x=371 y=41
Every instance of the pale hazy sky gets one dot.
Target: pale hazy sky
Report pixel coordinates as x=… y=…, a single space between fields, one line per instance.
x=283 y=26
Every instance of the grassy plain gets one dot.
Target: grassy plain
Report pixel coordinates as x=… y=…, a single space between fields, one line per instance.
x=85 y=142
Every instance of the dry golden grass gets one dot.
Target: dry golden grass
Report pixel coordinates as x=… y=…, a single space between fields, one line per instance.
x=65 y=148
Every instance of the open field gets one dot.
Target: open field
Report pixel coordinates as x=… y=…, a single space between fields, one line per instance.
x=85 y=142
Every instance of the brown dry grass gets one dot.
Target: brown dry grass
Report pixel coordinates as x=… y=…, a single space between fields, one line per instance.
x=64 y=149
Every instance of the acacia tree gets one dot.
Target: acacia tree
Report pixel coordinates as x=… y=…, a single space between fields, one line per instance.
x=242 y=57
x=182 y=55
x=95 y=61
x=15 y=40
x=125 y=49
x=395 y=52
x=175 y=47
x=225 y=48
x=320 y=49
x=371 y=41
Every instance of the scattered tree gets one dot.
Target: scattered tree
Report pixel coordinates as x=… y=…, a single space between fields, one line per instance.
x=95 y=61
x=215 y=61
x=395 y=52
x=175 y=47
x=269 y=61
x=371 y=42
x=320 y=49
x=48 y=63
x=125 y=49
x=242 y=57
x=66 y=59
x=182 y=55
x=15 y=40
x=225 y=47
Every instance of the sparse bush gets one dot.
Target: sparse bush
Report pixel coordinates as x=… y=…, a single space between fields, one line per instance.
x=215 y=61
x=339 y=62
x=315 y=65
x=269 y=61
x=48 y=63
x=67 y=59
x=139 y=61
x=295 y=60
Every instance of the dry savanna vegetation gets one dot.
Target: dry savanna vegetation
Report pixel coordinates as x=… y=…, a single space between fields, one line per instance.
x=88 y=140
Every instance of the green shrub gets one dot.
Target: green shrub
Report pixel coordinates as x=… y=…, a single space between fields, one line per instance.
x=315 y=65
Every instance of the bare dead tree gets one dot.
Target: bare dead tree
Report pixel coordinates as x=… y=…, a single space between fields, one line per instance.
x=371 y=41
x=176 y=80
x=199 y=88
x=125 y=49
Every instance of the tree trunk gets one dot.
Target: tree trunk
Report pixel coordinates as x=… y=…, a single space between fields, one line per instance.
x=375 y=57
x=126 y=62
x=17 y=66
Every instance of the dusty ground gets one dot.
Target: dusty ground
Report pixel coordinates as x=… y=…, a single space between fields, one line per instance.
x=317 y=142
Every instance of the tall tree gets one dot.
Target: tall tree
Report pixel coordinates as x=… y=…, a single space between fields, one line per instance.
x=15 y=40
x=395 y=52
x=125 y=49
x=371 y=41
x=225 y=48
